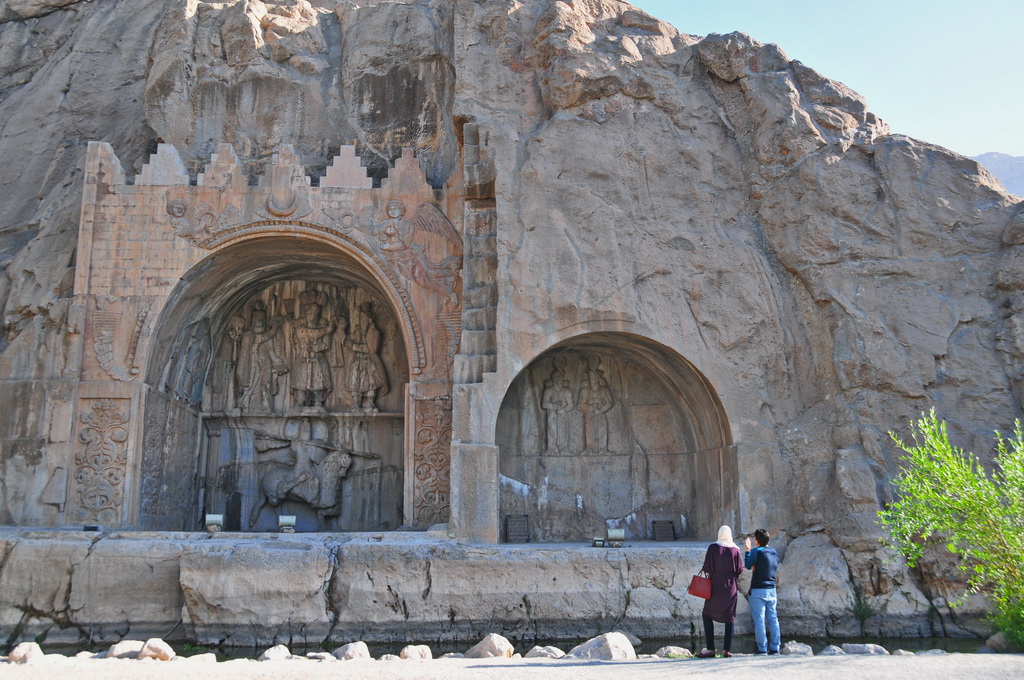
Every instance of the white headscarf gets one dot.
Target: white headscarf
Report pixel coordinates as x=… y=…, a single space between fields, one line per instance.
x=725 y=537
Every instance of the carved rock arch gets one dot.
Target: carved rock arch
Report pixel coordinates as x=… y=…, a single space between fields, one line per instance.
x=182 y=363
x=634 y=434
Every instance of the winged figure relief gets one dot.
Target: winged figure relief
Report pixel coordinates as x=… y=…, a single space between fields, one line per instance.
x=395 y=239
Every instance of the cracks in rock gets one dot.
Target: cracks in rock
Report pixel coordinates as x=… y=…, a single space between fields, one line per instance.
x=331 y=596
x=13 y=17
x=426 y=591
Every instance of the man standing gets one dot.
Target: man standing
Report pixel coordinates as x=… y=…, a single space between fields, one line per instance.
x=764 y=561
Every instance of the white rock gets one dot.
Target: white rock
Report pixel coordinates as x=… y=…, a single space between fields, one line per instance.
x=931 y=652
x=674 y=652
x=797 y=649
x=276 y=653
x=606 y=647
x=390 y=657
x=831 y=650
x=206 y=657
x=491 y=646
x=155 y=648
x=548 y=652
x=901 y=652
x=125 y=649
x=353 y=650
x=26 y=652
x=320 y=656
x=453 y=655
x=415 y=652
x=633 y=640
x=855 y=648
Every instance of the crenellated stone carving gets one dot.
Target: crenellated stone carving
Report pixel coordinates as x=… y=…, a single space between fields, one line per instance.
x=100 y=464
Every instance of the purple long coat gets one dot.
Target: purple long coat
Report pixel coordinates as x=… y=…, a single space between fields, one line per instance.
x=723 y=565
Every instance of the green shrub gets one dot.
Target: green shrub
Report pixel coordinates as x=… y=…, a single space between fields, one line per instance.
x=946 y=495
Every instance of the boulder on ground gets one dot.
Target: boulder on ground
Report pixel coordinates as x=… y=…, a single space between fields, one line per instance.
x=548 y=652
x=931 y=652
x=353 y=650
x=125 y=649
x=900 y=652
x=205 y=657
x=320 y=656
x=415 y=652
x=493 y=645
x=831 y=650
x=453 y=655
x=797 y=649
x=1000 y=644
x=633 y=640
x=390 y=657
x=674 y=652
x=606 y=647
x=155 y=648
x=276 y=653
x=26 y=652
x=856 y=648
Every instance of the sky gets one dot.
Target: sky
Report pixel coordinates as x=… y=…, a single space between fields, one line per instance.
x=945 y=72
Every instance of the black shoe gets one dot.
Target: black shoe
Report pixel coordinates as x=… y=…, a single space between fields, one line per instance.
x=773 y=653
x=707 y=654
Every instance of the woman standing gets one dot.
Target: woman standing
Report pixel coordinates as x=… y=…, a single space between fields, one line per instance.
x=723 y=564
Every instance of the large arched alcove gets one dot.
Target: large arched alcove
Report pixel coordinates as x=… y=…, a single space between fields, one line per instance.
x=276 y=386
x=611 y=430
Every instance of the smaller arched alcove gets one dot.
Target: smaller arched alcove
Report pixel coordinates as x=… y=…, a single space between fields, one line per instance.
x=277 y=382
x=611 y=430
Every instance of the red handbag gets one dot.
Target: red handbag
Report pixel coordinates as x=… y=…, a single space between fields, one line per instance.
x=700 y=586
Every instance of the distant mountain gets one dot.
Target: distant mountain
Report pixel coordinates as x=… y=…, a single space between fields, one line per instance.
x=1009 y=169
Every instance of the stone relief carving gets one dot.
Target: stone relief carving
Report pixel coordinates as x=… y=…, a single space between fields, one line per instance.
x=312 y=475
x=105 y=326
x=311 y=378
x=197 y=224
x=594 y=403
x=365 y=377
x=185 y=373
x=432 y=460
x=304 y=349
x=259 y=360
x=100 y=464
x=557 y=401
x=394 y=236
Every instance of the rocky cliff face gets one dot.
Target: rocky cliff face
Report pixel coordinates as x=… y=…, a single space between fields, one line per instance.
x=829 y=280
x=1008 y=169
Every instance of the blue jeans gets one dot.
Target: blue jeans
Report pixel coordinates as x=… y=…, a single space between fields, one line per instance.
x=763 y=608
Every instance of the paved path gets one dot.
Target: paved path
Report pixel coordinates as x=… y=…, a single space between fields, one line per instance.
x=944 y=667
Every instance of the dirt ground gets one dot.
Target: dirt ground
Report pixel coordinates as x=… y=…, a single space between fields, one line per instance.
x=938 y=667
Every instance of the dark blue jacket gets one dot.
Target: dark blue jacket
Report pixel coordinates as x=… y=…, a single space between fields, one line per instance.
x=765 y=562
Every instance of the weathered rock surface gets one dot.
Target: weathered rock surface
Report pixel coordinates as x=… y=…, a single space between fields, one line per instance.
x=730 y=206
x=155 y=648
x=797 y=649
x=275 y=653
x=605 y=647
x=545 y=652
x=25 y=652
x=416 y=652
x=352 y=650
x=493 y=645
x=858 y=648
x=125 y=649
